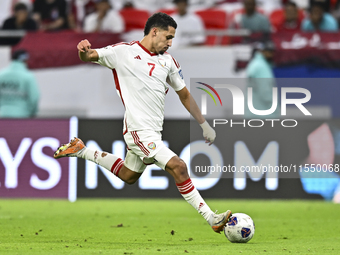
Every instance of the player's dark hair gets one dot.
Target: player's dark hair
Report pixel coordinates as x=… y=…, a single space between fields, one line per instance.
x=159 y=20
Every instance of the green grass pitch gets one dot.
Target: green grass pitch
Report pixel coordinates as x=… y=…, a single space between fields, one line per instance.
x=167 y=226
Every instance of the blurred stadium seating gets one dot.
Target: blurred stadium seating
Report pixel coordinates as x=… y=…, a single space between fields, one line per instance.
x=235 y=16
x=167 y=11
x=213 y=19
x=134 y=18
x=276 y=17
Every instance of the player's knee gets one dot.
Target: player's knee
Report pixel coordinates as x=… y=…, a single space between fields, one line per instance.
x=181 y=168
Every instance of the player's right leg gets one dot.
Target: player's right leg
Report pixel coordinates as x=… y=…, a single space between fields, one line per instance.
x=178 y=169
x=76 y=148
x=170 y=162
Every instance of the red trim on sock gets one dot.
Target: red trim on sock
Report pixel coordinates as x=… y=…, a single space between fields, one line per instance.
x=114 y=164
x=183 y=183
x=117 y=166
x=185 y=187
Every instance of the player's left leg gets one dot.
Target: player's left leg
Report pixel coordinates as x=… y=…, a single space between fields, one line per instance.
x=122 y=169
x=128 y=171
x=169 y=161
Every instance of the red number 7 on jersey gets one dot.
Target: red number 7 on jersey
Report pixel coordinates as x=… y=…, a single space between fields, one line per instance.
x=152 y=67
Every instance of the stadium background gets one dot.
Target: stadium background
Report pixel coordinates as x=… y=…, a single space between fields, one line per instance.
x=70 y=88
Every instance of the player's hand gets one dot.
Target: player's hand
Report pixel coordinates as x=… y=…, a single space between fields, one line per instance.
x=209 y=133
x=84 y=46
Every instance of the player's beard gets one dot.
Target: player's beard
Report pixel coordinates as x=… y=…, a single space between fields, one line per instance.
x=161 y=52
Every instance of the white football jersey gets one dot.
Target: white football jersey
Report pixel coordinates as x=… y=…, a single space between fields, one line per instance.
x=141 y=79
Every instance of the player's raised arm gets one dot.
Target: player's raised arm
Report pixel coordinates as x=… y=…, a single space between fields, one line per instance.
x=85 y=52
x=190 y=104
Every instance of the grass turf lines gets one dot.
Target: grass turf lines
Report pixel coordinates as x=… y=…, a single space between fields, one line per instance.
x=167 y=226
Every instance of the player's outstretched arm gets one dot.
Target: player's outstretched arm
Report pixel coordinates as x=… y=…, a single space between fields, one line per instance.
x=85 y=52
x=190 y=104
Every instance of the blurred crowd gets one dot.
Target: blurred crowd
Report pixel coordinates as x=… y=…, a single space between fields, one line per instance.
x=194 y=17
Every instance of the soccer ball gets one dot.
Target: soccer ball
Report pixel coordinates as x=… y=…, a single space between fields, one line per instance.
x=240 y=228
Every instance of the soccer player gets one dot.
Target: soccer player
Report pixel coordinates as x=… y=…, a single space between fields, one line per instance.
x=141 y=72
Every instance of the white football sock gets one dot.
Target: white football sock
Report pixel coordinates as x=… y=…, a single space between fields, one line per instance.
x=104 y=159
x=193 y=197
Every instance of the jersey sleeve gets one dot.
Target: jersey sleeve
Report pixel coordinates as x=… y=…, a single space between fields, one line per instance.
x=175 y=77
x=107 y=57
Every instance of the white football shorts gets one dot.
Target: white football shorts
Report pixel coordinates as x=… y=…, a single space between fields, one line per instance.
x=145 y=147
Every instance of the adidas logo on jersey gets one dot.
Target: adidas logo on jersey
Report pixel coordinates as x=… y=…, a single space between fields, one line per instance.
x=137 y=57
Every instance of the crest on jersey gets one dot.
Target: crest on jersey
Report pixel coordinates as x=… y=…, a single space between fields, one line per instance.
x=162 y=62
x=152 y=146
